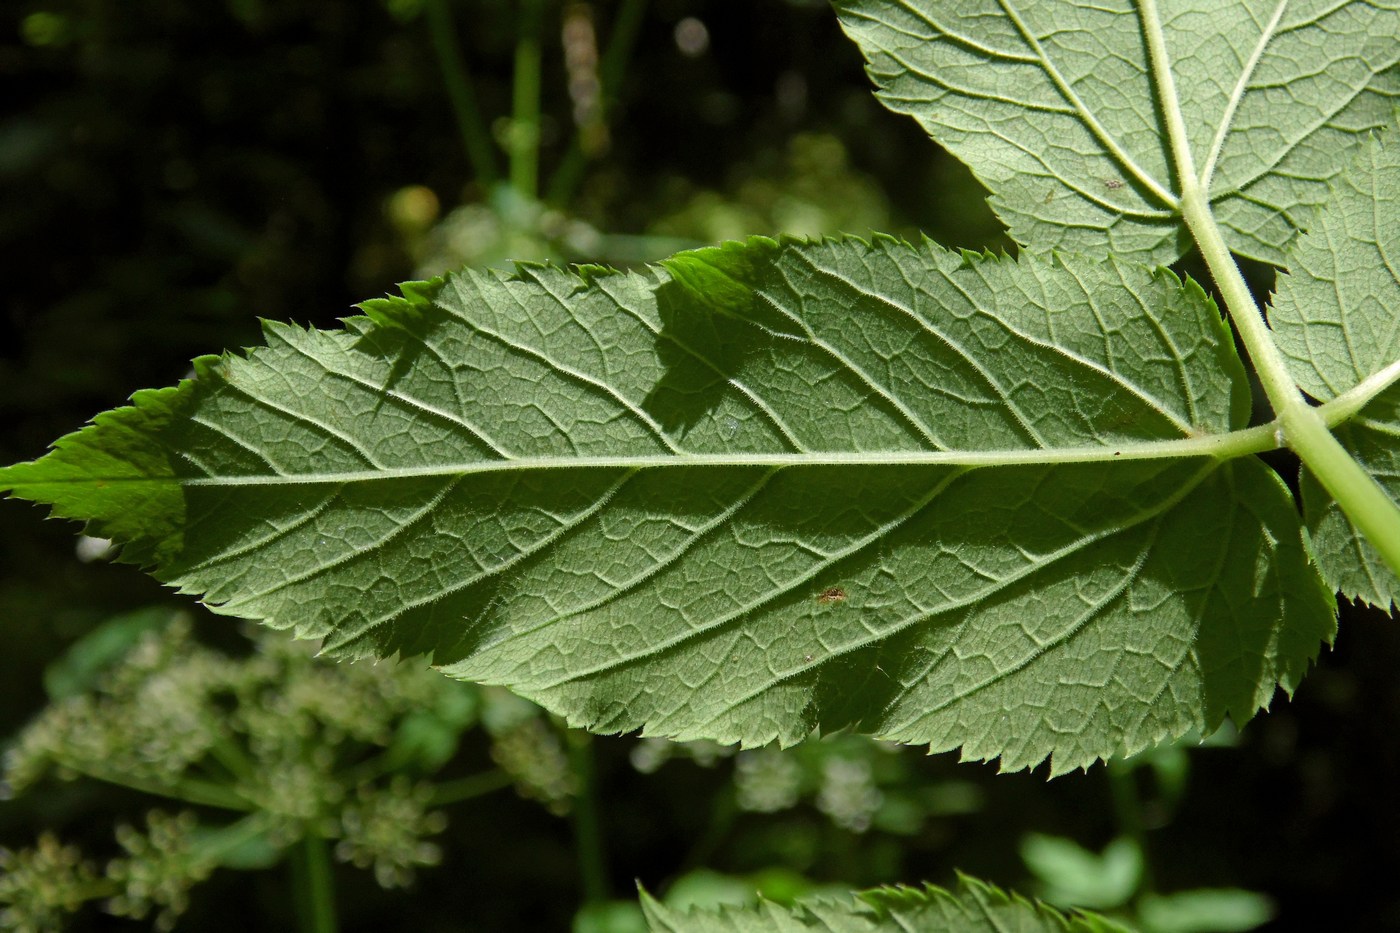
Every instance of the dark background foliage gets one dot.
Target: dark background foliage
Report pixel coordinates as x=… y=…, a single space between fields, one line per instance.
x=171 y=171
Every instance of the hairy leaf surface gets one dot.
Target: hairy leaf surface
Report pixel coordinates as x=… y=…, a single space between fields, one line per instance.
x=1336 y=312
x=1337 y=319
x=766 y=489
x=1349 y=563
x=973 y=907
x=1054 y=106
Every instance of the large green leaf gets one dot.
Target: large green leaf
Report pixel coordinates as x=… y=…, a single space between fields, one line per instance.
x=771 y=488
x=1336 y=316
x=1054 y=106
x=973 y=907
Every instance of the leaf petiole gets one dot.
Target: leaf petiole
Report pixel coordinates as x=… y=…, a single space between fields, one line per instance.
x=1347 y=405
x=1303 y=428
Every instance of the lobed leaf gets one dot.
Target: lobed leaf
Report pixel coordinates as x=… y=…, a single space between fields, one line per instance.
x=763 y=490
x=973 y=906
x=1054 y=106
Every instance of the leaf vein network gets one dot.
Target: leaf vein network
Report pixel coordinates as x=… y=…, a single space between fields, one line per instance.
x=537 y=546
x=399 y=528
x=598 y=387
x=312 y=422
x=720 y=520
x=1018 y=417
x=412 y=402
x=1152 y=514
x=789 y=586
x=307 y=515
x=1086 y=116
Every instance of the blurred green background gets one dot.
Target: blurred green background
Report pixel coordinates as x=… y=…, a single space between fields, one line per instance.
x=170 y=172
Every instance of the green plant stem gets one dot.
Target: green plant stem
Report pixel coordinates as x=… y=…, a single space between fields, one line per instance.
x=100 y=888
x=215 y=846
x=187 y=789
x=466 y=788
x=1301 y=426
x=1349 y=404
x=724 y=809
x=476 y=139
x=228 y=753
x=525 y=119
x=311 y=885
x=622 y=37
x=1127 y=808
x=1268 y=362
x=588 y=833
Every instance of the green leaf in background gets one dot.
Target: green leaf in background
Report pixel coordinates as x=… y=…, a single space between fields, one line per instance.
x=767 y=489
x=83 y=664
x=1205 y=910
x=1053 y=105
x=972 y=907
x=1335 y=317
x=1071 y=875
x=610 y=917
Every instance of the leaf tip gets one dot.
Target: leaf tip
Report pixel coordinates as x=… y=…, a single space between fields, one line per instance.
x=405 y=308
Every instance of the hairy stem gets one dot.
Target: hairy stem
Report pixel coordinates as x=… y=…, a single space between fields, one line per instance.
x=1349 y=404
x=1301 y=426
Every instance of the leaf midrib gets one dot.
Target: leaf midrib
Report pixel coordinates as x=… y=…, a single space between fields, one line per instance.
x=1223 y=446
x=1114 y=149
x=1232 y=104
x=1259 y=439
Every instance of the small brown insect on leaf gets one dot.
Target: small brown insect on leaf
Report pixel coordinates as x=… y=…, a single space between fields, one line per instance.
x=1112 y=184
x=832 y=594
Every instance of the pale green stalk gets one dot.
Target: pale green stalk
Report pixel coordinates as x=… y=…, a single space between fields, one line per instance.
x=313 y=885
x=477 y=785
x=1300 y=426
x=228 y=753
x=1347 y=405
x=476 y=139
x=525 y=122
x=216 y=846
x=1226 y=446
x=187 y=789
